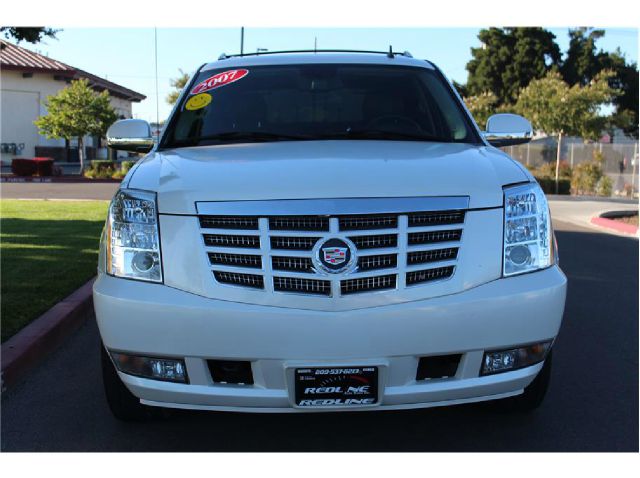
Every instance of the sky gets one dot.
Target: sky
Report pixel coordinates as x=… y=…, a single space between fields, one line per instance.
x=126 y=55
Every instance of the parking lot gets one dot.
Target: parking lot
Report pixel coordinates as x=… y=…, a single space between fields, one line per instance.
x=592 y=404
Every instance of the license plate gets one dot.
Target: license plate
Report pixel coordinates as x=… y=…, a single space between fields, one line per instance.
x=336 y=386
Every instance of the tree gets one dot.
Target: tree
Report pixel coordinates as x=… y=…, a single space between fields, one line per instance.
x=557 y=109
x=509 y=59
x=460 y=88
x=584 y=63
x=178 y=83
x=625 y=80
x=481 y=107
x=28 y=34
x=77 y=111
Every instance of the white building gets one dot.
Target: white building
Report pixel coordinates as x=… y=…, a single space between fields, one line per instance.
x=26 y=79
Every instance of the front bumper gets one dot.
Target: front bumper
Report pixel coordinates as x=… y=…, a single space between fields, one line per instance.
x=156 y=320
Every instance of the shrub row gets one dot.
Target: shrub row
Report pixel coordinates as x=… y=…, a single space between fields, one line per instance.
x=103 y=169
x=548 y=185
x=585 y=178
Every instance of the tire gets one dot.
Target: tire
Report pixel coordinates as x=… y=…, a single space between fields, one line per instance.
x=123 y=404
x=533 y=394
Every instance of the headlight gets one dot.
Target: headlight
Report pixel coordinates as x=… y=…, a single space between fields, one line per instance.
x=528 y=237
x=132 y=242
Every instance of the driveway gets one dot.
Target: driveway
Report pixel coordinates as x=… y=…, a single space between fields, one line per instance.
x=592 y=404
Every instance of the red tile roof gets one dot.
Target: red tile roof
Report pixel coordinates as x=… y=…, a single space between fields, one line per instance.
x=13 y=57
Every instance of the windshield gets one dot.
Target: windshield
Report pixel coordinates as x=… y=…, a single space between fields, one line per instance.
x=318 y=101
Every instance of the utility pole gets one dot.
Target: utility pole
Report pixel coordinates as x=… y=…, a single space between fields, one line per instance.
x=241 y=40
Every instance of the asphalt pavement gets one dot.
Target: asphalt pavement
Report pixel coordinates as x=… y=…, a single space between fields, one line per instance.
x=59 y=190
x=592 y=404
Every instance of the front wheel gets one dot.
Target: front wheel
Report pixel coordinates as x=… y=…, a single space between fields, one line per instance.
x=123 y=404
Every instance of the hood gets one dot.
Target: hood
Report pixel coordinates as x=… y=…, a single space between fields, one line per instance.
x=325 y=169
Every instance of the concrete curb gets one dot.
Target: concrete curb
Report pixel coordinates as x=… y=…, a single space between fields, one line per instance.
x=31 y=345
x=614 y=225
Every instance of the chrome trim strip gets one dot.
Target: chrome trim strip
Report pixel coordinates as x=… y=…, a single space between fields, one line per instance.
x=334 y=207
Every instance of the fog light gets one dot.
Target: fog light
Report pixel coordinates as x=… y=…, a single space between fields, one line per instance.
x=169 y=370
x=497 y=361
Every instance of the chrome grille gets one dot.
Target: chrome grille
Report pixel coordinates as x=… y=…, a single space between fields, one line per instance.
x=384 y=261
x=229 y=222
x=299 y=223
x=222 y=240
x=302 y=286
x=417 y=277
x=368 y=284
x=434 y=236
x=368 y=222
x=235 y=278
x=394 y=251
x=242 y=260
x=436 y=218
x=294 y=243
x=375 y=242
x=420 y=257
x=302 y=264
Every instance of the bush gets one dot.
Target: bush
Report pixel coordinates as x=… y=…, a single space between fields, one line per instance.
x=100 y=170
x=102 y=164
x=585 y=177
x=628 y=190
x=126 y=166
x=604 y=186
x=548 y=170
x=548 y=185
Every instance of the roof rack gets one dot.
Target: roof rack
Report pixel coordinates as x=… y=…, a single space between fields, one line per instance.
x=390 y=53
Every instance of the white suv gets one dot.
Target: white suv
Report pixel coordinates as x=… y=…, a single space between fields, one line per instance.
x=324 y=231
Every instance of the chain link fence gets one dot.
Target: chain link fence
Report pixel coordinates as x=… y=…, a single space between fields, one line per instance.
x=620 y=161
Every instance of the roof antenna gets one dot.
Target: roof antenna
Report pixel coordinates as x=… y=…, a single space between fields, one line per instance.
x=390 y=54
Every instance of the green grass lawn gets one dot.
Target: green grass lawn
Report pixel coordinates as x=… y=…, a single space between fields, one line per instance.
x=48 y=249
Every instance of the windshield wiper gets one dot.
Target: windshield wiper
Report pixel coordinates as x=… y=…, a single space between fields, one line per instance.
x=251 y=136
x=381 y=134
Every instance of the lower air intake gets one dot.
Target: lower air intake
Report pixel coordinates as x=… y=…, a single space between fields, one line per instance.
x=231 y=371
x=438 y=366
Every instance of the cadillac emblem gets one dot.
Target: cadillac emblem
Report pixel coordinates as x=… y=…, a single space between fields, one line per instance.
x=334 y=255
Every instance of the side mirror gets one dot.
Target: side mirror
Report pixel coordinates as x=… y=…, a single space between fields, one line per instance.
x=130 y=135
x=506 y=129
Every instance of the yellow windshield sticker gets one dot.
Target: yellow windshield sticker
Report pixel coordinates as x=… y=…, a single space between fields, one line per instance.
x=198 y=101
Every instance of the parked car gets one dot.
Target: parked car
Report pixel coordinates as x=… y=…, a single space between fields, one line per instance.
x=325 y=231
